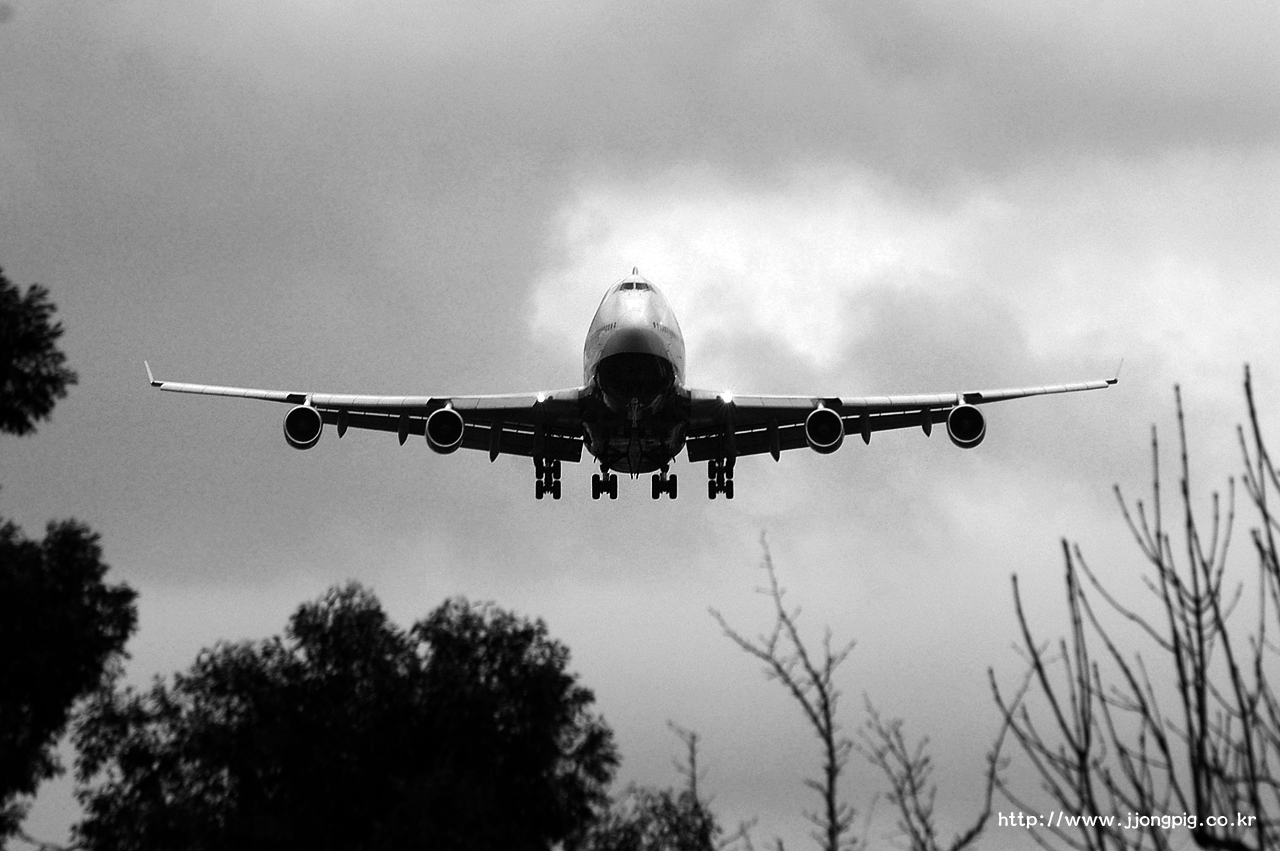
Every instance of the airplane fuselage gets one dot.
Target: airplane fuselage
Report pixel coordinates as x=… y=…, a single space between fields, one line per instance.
x=633 y=367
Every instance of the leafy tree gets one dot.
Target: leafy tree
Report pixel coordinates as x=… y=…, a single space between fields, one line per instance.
x=464 y=731
x=649 y=819
x=33 y=373
x=60 y=627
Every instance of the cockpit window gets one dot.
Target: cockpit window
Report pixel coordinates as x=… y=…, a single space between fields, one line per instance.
x=634 y=285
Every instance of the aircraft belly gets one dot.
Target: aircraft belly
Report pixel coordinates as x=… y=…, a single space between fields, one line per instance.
x=638 y=456
x=644 y=450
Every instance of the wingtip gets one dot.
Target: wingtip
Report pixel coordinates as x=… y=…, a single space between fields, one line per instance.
x=151 y=379
x=1116 y=378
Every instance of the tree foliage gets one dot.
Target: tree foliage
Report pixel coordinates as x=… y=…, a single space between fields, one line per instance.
x=465 y=731
x=1149 y=744
x=60 y=627
x=647 y=819
x=33 y=372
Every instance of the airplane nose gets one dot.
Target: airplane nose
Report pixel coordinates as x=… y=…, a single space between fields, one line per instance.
x=634 y=341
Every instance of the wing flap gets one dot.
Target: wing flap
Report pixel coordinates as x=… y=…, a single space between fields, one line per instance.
x=524 y=443
x=757 y=441
x=512 y=440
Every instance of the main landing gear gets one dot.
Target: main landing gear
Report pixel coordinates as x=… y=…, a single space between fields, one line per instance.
x=548 y=471
x=719 y=478
x=604 y=482
x=663 y=483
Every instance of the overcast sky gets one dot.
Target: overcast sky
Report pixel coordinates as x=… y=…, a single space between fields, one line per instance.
x=837 y=198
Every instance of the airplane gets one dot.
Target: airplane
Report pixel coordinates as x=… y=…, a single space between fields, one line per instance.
x=633 y=413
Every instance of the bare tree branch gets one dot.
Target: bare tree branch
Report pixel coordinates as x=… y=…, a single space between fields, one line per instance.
x=810 y=679
x=812 y=683
x=1112 y=751
x=911 y=789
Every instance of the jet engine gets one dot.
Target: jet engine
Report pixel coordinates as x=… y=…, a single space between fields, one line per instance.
x=302 y=427
x=966 y=426
x=444 y=430
x=824 y=430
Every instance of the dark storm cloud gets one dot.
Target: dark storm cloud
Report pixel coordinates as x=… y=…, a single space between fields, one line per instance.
x=918 y=90
x=284 y=149
x=524 y=91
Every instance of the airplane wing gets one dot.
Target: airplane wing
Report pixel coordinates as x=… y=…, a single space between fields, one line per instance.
x=546 y=425
x=723 y=425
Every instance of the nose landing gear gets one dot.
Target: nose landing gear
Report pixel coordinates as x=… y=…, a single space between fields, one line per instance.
x=663 y=483
x=720 y=477
x=548 y=472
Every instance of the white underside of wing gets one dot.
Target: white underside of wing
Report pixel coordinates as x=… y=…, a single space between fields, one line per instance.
x=496 y=402
x=882 y=404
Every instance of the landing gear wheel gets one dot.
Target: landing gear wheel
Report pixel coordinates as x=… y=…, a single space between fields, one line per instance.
x=720 y=477
x=548 y=472
x=604 y=483
x=664 y=483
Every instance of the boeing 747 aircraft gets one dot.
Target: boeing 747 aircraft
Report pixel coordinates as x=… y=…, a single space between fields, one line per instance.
x=633 y=412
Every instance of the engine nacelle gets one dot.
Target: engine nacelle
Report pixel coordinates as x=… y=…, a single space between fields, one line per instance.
x=302 y=427
x=444 y=430
x=966 y=426
x=823 y=430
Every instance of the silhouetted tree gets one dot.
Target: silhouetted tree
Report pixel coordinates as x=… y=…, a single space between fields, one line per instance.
x=33 y=373
x=465 y=731
x=1145 y=742
x=654 y=820
x=908 y=769
x=648 y=819
x=812 y=683
x=61 y=626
